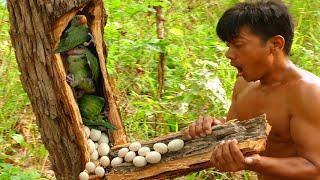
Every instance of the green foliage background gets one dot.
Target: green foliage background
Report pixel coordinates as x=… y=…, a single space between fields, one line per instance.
x=198 y=78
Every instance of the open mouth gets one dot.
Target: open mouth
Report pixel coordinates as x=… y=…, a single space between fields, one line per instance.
x=239 y=68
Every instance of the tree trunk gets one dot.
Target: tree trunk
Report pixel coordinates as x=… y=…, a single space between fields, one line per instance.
x=35 y=30
x=162 y=58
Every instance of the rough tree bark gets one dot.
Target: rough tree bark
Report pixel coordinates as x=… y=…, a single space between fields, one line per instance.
x=162 y=58
x=196 y=153
x=35 y=30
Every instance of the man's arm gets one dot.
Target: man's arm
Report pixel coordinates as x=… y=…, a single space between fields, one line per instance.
x=293 y=168
x=229 y=158
x=305 y=132
x=239 y=85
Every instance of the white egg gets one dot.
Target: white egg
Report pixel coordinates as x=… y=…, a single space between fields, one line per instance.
x=84 y=176
x=116 y=161
x=105 y=161
x=95 y=134
x=86 y=131
x=135 y=146
x=129 y=156
x=143 y=151
x=99 y=171
x=90 y=167
x=153 y=157
x=96 y=145
x=103 y=149
x=175 y=145
x=161 y=148
x=91 y=146
x=89 y=140
x=94 y=156
x=122 y=152
x=139 y=161
x=104 y=138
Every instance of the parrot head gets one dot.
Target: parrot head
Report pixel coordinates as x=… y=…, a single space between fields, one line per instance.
x=79 y=20
x=79 y=50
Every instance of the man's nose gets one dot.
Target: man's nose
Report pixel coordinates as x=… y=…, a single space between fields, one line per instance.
x=230 y=54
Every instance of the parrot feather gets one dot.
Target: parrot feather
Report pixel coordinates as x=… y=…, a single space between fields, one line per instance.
x=93 y=64
x=76 y=34
x=90 y=108
x=99 y=122
x=80 y=73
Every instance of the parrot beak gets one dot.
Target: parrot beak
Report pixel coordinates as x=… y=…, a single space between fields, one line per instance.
x=83 y=20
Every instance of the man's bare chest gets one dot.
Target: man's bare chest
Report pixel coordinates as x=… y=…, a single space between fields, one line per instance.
x=253 y=101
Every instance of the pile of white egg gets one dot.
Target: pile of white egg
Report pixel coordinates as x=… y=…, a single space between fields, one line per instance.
x=98 y=147
x=140 y=156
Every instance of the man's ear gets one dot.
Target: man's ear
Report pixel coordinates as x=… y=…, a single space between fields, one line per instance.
x=277 y=43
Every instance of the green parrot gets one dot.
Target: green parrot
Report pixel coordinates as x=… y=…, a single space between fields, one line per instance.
x=79 y=73
x=76 y=34
x=91 y=108
x=83 y=69
x=93 y=63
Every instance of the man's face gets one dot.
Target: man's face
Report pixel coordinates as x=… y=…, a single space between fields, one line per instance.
x=250 y=55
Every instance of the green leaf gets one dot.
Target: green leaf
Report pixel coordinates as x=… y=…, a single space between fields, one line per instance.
x=18 y=138
x=11 y=172
x=177 y=32
x=173 y=125
x=162 y=3
x=115 y=4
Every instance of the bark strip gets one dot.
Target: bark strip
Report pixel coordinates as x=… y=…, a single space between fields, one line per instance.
x=97 y=26
x=251 y=135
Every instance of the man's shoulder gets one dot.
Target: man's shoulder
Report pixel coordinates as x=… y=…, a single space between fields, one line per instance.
x=240 y=84
x=307 y=83
x=304 y=97
x=306 y=90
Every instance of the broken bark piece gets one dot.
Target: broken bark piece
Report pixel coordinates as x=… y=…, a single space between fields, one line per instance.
x=195 y=155
x=96 y=24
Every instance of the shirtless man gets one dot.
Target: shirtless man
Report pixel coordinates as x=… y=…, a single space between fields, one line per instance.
x=259 y=36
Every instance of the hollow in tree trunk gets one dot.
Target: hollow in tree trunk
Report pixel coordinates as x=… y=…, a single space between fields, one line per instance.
x=35 y=30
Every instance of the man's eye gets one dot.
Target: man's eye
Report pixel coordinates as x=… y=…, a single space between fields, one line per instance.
x=238 y=45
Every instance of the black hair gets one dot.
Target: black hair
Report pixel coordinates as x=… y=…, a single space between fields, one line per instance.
x=265 y=18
